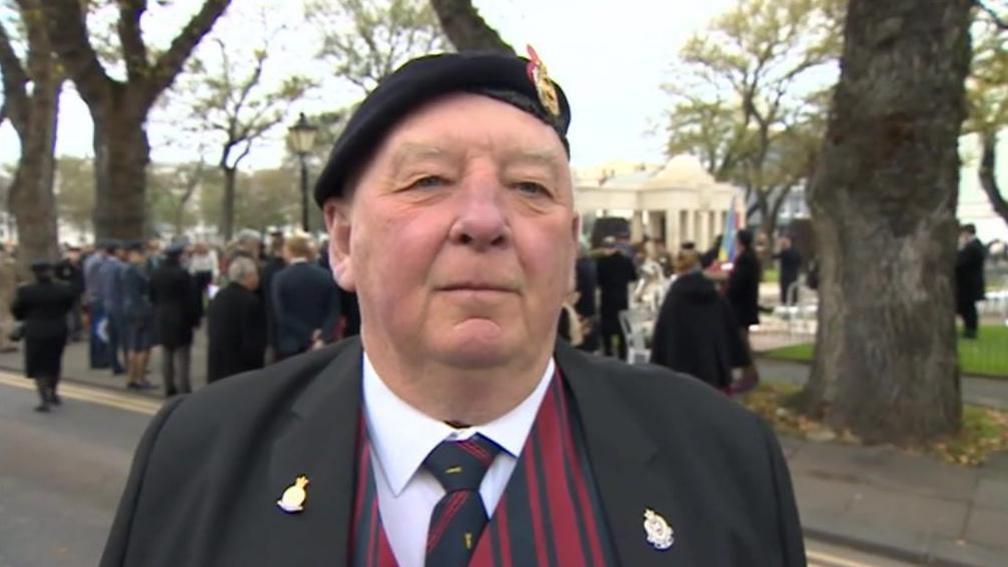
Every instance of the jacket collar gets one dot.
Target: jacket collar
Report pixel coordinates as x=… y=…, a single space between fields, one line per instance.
x=319 y=441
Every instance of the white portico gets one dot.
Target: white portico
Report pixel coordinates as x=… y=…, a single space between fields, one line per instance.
x=678 y=201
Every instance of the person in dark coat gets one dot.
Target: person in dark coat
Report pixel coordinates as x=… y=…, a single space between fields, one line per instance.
x=449 y=202
x=969 y=274
x=236 y=323
x=789 y=264
x=271 y=267
x=695 y=331
x=586 y=284
x=43 y=307
x=70 y=272
x=616 y=272
x=178 y=307
x=743 y=296
x=306 y=301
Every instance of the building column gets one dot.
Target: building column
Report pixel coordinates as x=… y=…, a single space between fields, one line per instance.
x=637 y=226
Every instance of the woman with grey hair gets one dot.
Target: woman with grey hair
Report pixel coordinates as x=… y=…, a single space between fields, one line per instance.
x=236 y=323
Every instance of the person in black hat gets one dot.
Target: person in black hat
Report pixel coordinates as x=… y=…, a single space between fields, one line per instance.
x=43 y=307
x=456 y=430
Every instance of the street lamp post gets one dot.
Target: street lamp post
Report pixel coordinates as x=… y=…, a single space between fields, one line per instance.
x=302 y=138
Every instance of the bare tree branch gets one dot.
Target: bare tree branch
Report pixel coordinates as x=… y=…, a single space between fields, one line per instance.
x=170 y=63
x=69 y=36
x=466 y=29
x=15 y=82
x=987 y=178
x=134 y=49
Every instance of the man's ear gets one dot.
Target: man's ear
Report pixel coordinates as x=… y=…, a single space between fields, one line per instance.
x=337 y=219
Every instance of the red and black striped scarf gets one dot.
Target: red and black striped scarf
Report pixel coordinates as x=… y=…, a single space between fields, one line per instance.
x=550 y=513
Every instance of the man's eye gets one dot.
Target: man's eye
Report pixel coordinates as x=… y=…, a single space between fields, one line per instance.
x=428 y=182
x=531 y=188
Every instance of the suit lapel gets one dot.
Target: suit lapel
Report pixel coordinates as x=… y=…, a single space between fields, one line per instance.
x=319 y=441
x=623 y=459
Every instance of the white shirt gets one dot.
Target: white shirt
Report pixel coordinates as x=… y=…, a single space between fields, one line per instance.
x=402 y=437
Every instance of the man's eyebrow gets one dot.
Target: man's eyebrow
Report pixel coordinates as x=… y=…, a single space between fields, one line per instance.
x=410 y=151
x=547 y=157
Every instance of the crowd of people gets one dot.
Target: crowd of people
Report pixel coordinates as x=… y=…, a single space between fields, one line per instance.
x=262 y=301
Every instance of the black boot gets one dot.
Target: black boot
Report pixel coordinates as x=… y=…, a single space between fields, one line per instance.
x=40 y=385
x=54 y=398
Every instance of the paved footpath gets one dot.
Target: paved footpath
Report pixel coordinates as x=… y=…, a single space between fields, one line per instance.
x=913 y=508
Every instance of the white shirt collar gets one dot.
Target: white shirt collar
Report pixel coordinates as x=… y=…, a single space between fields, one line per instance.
x=402 y=436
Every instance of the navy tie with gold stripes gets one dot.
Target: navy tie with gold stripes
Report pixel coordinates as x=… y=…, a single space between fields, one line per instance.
x=459 y=517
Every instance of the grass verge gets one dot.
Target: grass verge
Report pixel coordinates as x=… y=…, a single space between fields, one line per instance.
x=984 y=431
x=986 y=355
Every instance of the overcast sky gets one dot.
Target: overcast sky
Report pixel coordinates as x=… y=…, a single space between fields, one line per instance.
x=610 y=57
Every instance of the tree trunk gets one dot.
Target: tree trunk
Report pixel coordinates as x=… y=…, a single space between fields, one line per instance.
x=988 y=167
x=228 y=204
x=120 y=165
x=31 y=197
x=466 y=29
x=883 y=205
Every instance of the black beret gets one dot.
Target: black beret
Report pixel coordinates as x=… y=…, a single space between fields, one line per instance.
x=41 y=266
x=500 y=76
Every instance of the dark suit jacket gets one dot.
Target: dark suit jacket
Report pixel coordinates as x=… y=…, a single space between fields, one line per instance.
x=236 y=329
x=969 y=272
x=178 y=304
x=743 y=288
x=211 y=467
x=43 y=306
x=305 y=298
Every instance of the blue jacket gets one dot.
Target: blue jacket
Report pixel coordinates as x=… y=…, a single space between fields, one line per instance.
x=305 y=298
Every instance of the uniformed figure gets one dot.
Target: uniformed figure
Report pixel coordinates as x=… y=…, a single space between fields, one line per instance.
x=43 y=306
x=456 y=430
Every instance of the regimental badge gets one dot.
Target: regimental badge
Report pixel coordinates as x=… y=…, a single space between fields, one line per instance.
x=544 y=85
x=294 y=497
x=659 y=533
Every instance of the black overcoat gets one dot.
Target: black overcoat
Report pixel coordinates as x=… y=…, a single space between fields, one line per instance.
x=236 y=329
x=743 y=288
x=207 y=475
x=178 y=303
x=696 y=332
x=970 y=272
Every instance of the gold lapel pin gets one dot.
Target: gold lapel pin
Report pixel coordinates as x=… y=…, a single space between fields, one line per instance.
x=659 y=533
x=294 y=497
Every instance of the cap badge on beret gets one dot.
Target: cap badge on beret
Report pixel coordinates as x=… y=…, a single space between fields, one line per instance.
x=543 y=84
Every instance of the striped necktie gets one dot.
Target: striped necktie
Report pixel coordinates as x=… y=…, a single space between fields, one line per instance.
x=459 y=517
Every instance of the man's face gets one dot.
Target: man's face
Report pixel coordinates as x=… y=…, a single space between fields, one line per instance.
x=460 y=237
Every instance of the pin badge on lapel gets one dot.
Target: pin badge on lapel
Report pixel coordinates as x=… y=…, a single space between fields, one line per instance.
x=659 y=533
x=294 y=497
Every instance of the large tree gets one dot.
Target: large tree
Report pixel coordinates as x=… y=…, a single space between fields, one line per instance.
x=31 y=103
x=987 y=87
x=466 y=29
x=365 y=40
x=747 y=98
x=228 y=101
x=119 y=108
x=883 y=203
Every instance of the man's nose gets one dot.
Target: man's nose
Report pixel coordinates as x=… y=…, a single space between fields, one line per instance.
x=480 y=221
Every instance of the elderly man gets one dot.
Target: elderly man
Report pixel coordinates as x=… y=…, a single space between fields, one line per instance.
x=456 y=430
x=236 y=323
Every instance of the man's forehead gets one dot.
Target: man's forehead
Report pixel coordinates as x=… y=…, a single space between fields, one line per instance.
x=452 y=147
